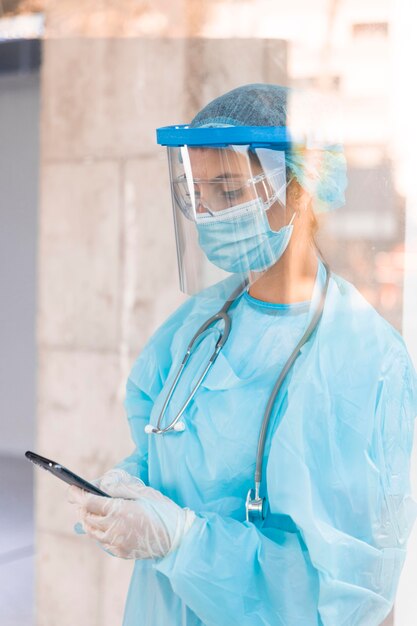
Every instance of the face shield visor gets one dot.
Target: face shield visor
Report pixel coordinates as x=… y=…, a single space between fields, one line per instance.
x=230 y=207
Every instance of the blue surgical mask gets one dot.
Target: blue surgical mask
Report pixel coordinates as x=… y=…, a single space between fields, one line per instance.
x=240 y=239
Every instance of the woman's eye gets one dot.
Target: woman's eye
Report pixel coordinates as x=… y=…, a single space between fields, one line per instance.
x=232 y=194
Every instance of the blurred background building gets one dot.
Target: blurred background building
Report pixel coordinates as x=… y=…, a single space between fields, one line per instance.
x=86 y=242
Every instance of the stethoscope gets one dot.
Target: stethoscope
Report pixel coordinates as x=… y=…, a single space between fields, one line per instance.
x=255 y=505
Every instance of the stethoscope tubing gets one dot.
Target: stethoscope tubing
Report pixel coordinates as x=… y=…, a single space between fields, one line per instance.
x=223 y=314
x=277 y=387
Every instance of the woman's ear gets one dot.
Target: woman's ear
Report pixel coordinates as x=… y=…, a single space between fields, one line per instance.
x=298 y=199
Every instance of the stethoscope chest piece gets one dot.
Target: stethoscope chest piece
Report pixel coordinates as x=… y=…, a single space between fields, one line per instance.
x=255 y=506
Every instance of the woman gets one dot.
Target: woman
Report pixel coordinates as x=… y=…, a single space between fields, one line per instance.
x=307 y=407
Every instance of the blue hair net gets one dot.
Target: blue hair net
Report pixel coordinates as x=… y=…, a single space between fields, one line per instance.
x=322 y=173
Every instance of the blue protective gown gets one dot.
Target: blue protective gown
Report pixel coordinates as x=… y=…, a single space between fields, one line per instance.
x=336 y=466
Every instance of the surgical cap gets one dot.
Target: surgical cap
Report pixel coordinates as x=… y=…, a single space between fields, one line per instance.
x=321 y=173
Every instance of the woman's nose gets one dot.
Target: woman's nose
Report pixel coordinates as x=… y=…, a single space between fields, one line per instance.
x=201 y=199
x=200 y=206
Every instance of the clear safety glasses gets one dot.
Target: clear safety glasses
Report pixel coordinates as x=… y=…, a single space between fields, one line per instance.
x=228 y=177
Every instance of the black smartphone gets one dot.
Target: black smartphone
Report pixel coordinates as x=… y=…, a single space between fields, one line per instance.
x=63 y=473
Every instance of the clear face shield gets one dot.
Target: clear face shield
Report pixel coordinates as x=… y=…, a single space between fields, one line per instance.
x=230 y=212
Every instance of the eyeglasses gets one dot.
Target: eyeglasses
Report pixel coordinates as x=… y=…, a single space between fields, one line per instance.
x=223 y=192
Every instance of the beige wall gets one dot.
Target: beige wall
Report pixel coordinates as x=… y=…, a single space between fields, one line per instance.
x=107 y=268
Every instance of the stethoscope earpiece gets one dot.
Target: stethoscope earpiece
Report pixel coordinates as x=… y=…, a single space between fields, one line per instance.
x=179 y=427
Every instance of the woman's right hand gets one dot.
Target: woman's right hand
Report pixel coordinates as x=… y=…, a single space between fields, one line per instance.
x=116 y=483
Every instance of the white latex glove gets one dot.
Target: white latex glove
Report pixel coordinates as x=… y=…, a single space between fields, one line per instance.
x=115 y=479
x=147 y=527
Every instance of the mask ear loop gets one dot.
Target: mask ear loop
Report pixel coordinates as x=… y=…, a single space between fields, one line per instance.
x=295 y=212
x=276 y=196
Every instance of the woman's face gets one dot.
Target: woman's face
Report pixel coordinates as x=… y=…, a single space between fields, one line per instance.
x=220 y=179
x=224 y=178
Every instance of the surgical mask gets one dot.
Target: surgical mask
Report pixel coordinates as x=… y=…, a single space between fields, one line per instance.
x=239 y=239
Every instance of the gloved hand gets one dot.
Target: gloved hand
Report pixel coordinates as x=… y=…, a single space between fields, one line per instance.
x=127 y=486
x=147 y=527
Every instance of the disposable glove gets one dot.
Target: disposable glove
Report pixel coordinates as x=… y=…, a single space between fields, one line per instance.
x=147 y=527
x=115 y=479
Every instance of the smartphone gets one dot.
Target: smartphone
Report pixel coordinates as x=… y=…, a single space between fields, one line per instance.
x=63 y=473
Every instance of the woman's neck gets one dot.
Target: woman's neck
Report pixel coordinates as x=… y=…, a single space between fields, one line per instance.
x=290 y=280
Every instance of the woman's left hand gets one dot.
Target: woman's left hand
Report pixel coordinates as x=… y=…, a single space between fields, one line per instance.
x=147 y=527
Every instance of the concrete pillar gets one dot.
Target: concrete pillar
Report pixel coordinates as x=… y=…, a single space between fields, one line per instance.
x=107 y=267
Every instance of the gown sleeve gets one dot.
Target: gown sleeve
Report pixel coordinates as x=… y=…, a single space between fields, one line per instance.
x=143 y=385
x=345 y=568
x=138 y=405
x=360 y=555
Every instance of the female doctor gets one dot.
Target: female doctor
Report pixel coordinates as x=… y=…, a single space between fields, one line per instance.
x=272 y=413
